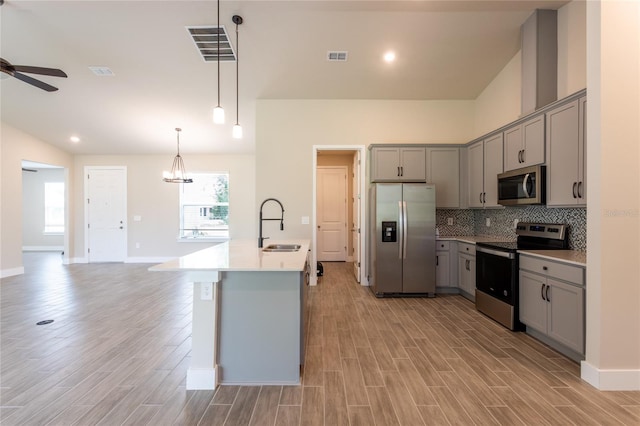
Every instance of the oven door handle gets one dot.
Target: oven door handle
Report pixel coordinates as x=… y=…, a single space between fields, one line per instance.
x=505 y=254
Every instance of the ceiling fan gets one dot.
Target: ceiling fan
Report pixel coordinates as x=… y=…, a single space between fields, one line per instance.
x=18 y=70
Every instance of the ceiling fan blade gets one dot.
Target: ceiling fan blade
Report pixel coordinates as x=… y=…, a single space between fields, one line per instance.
x=54 y=72
x=37 y=83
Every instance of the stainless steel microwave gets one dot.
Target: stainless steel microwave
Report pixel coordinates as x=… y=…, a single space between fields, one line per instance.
x=522 y=186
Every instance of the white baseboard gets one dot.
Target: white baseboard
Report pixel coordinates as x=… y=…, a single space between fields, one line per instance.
x=43 y=248
x=201 y=378
x=11 y=272
x=610 y=380
x=78 y=260
x=148 y=259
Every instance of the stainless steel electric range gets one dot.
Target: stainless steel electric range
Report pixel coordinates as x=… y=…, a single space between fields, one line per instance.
x=497 y=269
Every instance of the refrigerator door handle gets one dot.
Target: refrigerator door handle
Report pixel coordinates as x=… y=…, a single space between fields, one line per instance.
x=405 y=230
x=400 y=229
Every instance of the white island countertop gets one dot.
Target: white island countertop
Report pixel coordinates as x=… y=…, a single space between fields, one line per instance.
x=240 y=255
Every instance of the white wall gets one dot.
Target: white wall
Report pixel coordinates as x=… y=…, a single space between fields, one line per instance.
x=288 y=129
x=157 y=202
x=33 y=184
x=499 y=102
x=17 y=146
x=613 y=194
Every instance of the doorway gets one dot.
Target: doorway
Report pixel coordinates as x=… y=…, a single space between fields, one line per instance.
x=106 y=214
x=45 y=210
x=332 y=212
x=351 y=158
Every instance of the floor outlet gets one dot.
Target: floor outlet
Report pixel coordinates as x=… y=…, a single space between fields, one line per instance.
x=488 y=221
x=449 y=221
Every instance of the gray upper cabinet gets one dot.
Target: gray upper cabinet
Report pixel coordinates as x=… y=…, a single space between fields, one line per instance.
x=443 y=170
x=566 y=155
x=485 y=162
x=398 y=164
x=524 y=144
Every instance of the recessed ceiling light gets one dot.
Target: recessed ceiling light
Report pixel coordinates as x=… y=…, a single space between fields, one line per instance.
x=74 y=139
x=390 y=56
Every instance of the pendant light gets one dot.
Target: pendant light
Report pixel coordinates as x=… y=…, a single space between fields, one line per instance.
x=218 y=112
x=237 y=128
x=178 y=173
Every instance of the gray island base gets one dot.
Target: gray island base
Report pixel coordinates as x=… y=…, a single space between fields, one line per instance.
x=248 y=309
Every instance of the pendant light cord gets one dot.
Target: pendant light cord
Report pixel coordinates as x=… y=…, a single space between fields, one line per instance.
x=178 y=133
x=218 y=52
x=237 y=74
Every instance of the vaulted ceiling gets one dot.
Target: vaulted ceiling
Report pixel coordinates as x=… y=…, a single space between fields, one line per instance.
x=444 y=50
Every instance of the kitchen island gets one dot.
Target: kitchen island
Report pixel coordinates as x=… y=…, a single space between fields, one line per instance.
x=248 y=313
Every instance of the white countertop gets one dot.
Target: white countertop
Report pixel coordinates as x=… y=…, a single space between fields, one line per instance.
x=240 y=255
x=472 y=239
x=574 y=257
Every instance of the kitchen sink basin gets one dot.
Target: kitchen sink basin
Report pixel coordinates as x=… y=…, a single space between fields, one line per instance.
x=281 y=248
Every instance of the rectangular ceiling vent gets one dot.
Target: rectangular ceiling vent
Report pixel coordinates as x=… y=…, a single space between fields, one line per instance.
x=206 y=41
x=102 y=71
x=337 y=56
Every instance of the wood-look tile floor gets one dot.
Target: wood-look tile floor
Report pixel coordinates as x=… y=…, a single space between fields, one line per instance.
x=118 y=351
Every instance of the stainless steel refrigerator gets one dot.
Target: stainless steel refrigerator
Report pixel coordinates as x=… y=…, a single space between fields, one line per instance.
x=402 y=250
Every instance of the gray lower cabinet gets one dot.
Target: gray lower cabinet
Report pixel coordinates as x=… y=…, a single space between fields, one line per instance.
x=467 y=270
x=446 y=266
x=552 y=304
x=260 y=336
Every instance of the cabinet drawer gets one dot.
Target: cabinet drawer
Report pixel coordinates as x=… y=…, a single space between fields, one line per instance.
x=442 y=245
x=573 y=274
x=467 y=248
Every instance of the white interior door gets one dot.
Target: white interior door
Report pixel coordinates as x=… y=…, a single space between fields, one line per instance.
x=355 y=230
x=331 y=213
x=106 y=214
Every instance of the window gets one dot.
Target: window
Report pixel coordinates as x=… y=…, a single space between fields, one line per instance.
x=53 y=207
x=204 y=206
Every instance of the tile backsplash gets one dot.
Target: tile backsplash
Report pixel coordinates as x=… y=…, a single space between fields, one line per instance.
x=473 y=222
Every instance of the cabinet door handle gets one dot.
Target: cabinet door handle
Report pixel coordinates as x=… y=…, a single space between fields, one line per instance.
x=580 y=189
x=481 y=198
x=484 y=197
x=437 y=260
x=520 y=156
x=544 y=268
x=398 y=171
x=523 y=156
x=574 y=189
x=542 y=292
x=547 y=294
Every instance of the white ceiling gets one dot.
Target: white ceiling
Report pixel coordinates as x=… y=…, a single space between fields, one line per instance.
x=445 y=50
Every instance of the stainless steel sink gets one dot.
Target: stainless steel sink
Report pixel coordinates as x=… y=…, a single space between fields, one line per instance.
x=282 y=248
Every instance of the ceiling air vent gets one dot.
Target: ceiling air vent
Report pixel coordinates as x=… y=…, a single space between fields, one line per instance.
x=206 y=41
x=337 y=56
x=102 y=71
